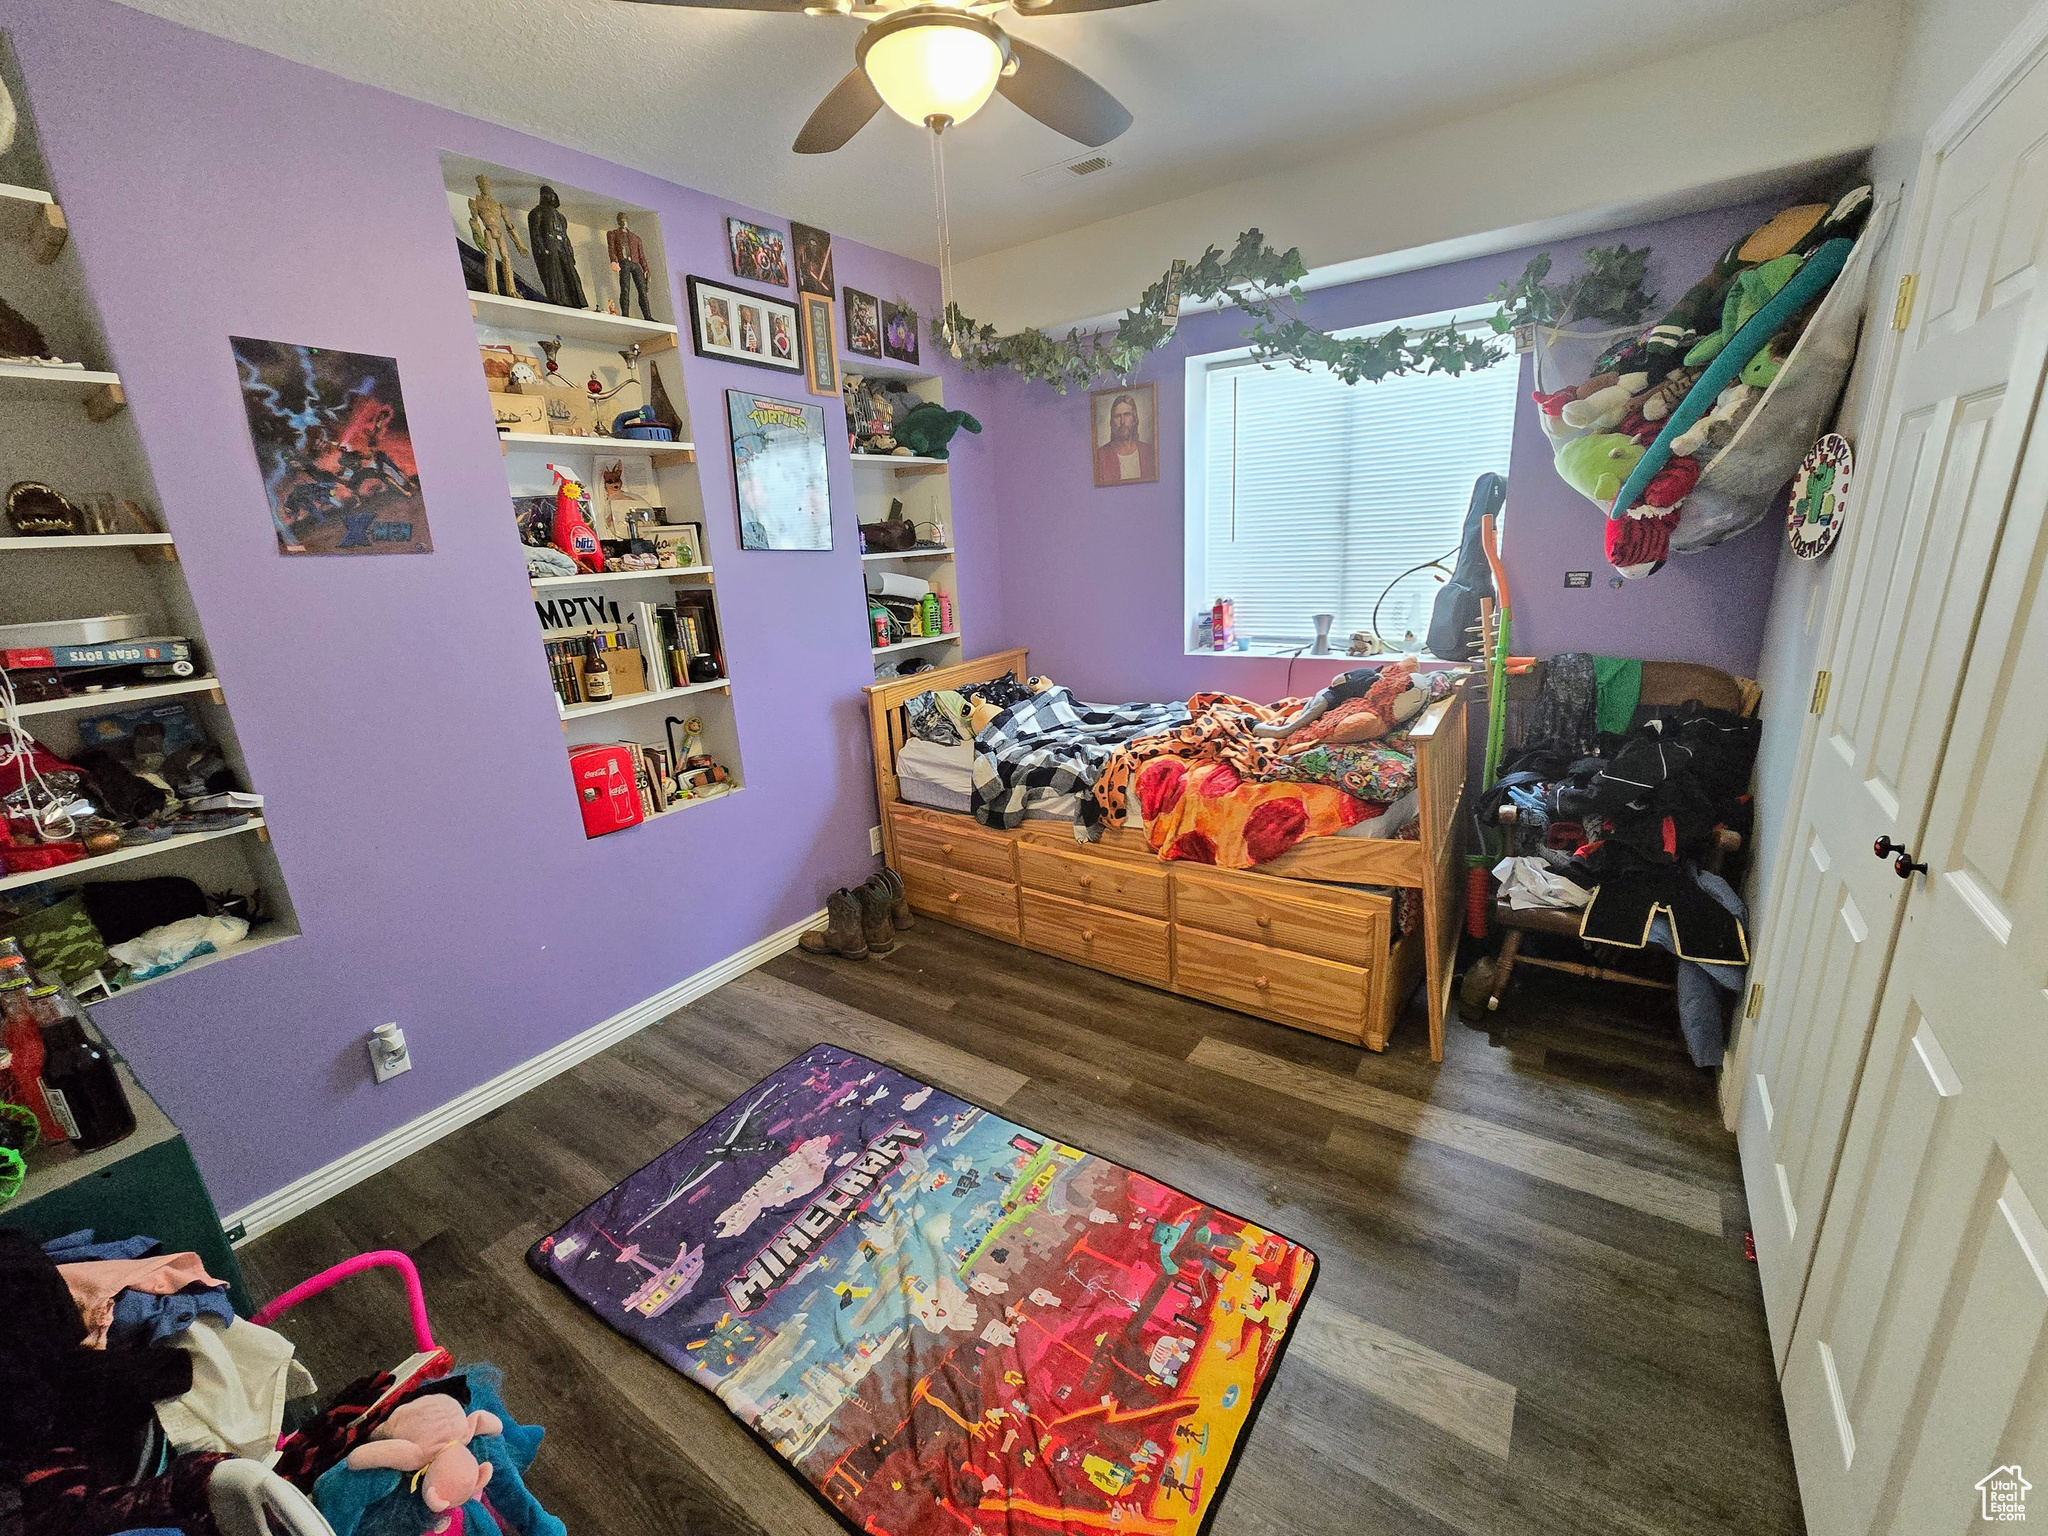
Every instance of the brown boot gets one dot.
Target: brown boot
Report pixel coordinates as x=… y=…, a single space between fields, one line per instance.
x=874 y=918
x=891 y=885
x=843 y=931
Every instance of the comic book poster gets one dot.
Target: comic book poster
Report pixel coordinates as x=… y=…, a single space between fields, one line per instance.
x=333 y=446
x=778 y=463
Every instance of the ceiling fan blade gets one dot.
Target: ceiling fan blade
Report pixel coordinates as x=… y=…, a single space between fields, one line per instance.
x=1063 y=98
x=1070 y=7
x=842 y=114
x=793 y=7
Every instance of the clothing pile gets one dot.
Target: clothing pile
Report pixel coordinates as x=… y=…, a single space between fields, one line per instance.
x=1620 y=824
x=1052 y=741
x=126 y=1383
x=1715 y=404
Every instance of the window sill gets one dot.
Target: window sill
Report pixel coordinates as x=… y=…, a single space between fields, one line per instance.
x=1422 y=657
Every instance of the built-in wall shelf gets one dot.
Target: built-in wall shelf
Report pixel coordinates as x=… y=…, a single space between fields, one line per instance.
x=904 y=463
x=651 y=696
x=918 y=643
x=529 y=318
x=663 y=454
x=122 y=698
x=102 y=861
x=607 y=576
x=99 y=392
x=260 y=937
x=692 y=803
x=21 y=544
x=886 y=368
x=936 y=552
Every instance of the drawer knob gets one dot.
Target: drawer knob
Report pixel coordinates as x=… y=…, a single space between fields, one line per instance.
x=1084 y=880
x=1265 y=922
x=945 y=847
x=1088 y=935
x=1261 y=983
x=954 y=897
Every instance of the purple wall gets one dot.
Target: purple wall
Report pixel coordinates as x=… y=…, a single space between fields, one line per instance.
x=1092 y=579
x=397 y=712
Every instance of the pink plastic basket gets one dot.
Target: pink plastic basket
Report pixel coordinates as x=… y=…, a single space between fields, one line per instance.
x=383 y=1258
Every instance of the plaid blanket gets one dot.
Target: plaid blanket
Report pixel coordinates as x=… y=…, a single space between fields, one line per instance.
x=1053 y=742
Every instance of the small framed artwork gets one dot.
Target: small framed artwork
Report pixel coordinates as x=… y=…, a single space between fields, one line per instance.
x=813 y=249
x=779 y=478
x=863 y=323
x=742 y=327
x=821 y=362
x=759 y=254
x=1125 y=434
x=899 y=333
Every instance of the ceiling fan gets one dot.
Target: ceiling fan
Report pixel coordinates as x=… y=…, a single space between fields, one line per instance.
x=935 y=63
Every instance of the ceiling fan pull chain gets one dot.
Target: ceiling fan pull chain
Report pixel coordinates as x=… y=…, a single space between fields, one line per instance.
x=938 y=126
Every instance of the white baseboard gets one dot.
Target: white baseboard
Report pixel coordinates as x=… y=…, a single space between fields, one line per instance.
x=302 y=1195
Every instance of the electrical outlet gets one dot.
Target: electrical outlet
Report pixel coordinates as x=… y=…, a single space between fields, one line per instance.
x=874 y=839
x=388 y=1053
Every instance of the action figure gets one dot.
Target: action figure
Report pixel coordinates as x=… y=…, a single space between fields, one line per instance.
x=548 y=227
x=490 y=222
x=629 y=260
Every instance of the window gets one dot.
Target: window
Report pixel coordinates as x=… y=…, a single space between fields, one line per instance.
x=1307 y=495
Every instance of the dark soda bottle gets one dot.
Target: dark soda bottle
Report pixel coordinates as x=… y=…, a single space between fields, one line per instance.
x=79 y=1083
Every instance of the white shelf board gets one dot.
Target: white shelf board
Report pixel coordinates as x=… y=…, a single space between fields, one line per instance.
x=532 y=319
x=634 y=700
x=911 y=554
x=901 y=461
x=124 y=855
x=261 y=937
x=884 y=368
x=22 y=543
x=917 y=644
x=120 y=698
x=691 y=805
x=559 y=443
x=30 y=381
x=586 y=581
x=14 y=194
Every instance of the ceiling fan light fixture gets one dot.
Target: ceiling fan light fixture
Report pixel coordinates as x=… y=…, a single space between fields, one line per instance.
x=934 y=62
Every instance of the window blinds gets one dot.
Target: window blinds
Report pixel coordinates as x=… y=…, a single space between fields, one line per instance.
x=1317 y=493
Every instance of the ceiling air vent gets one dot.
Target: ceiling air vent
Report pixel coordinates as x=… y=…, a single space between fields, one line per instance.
x=1050 y=176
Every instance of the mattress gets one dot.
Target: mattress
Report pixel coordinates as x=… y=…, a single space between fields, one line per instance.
x=942 y=778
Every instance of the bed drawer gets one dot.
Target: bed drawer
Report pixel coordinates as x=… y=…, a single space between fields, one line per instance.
x=1138 y=947
x=987 y=906
x=954 y=842
x=1350 y=928
x=1125 y=885
x=1318 y=994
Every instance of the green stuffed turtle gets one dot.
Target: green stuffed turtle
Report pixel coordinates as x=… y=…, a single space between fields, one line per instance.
x=927 y=427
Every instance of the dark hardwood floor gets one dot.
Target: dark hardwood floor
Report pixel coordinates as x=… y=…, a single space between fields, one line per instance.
x=1533 y=1316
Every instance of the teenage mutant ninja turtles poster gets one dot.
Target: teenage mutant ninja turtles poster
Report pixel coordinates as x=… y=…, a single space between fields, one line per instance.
x=333 y=448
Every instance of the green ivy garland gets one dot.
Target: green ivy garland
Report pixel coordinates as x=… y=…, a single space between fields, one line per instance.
x=1265 y=284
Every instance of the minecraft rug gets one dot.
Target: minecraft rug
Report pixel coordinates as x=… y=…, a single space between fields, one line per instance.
x=943 y=1321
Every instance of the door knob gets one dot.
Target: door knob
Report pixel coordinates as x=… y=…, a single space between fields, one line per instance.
x=1901 y=857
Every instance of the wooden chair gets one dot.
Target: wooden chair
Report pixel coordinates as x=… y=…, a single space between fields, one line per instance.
x=1665 y=683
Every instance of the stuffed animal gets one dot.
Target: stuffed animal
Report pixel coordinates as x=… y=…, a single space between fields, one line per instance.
x=927 y=427
x=1597 y=464
x=1378 y=691
x=1600 y=409
x=431 y=1435
x=1731 y=408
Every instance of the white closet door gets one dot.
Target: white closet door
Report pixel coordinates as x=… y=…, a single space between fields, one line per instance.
x=1940 y=476
x=1920 y=1360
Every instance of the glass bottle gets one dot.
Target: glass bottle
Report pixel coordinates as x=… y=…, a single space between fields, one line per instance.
x=79 y=1084
x=597 y=679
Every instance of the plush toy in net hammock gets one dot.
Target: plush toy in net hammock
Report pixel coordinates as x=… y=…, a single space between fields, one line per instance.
x=1683 y=433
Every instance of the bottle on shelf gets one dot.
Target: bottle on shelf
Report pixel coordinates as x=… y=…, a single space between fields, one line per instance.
x=23 y=1040
x=80 y=1086
x=597 y=679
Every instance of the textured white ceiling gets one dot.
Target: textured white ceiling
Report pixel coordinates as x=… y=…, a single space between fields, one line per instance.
x=1220 y=88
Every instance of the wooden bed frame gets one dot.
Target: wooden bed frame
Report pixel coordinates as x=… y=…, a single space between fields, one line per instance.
x=1296 y=940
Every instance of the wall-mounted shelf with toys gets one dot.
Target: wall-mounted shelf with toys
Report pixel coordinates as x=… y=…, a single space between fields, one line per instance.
x=103 y=663
x=911 y=591
x=600 y=466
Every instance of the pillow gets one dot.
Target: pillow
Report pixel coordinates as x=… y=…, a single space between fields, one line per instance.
x=938 y=717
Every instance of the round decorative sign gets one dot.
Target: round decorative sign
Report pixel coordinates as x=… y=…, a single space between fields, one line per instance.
x=1820 y=495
